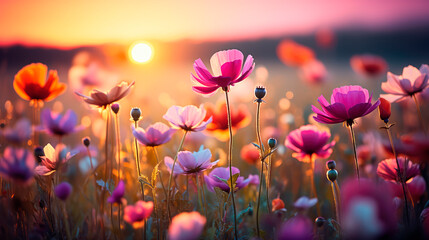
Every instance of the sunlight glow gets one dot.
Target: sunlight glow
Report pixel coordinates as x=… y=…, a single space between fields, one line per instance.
x=141 y=52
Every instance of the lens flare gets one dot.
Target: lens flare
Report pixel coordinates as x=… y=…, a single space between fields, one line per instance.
x=141 y=52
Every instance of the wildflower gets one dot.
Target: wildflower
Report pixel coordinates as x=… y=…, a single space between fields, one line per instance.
x=63 y=190
x=30 y=83
x=368 y=65
x=387 y=169
x=136 y=214
x=313 y=72
x=191 y=162
x=227 y=71
x=250 y=154
x=309 y=142
x=416 y=187
x=154 y=135
x=60 y=125
x=294 y=54
x=240 y=118
x=20 y=133
x=118 y=193
x=53 y=159
x=17 y=165
x=104 y=99
x=347 y=104
x=384 y=110
x=214 y=179
x=304 y=203
x=412 y=81
x=277 y=204
x=298 y=227
x=186 y=226
x=188 y=118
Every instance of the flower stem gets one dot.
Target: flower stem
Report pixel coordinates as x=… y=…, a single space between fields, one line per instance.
x=118 y=146
x=336 y=202
x=203 y=193
x=352 y=133
x=171 y=175
x=66 y=222
x=261 y=150
x=420 y=114
x=313 y=184
x=139 y=174
x=95 y=187
x=160 y=174
x=228 y=111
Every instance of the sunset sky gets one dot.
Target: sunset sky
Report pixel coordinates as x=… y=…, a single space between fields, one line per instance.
x=64 y=23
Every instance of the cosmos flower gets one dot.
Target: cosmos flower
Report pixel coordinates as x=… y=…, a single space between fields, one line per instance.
x=63 y=190
x=186 y=226
x=313 y=72
x=368 y=65
x=118 y=193
x=304 y=203
x=17 y=165
x=250 y=154
x=416 y=187
x=136 y=214
x=412 y=81
x=347 y=104
x=60 y=125
x=387 y=169
x=21 y=132
x=213 y=179
x=50 y=162
x=294 y=54
x=227 y=71
x=103 y=99
x=298 y=227
x=240 y=118
x=191 y=162
x=309 y=142
x=418 y=146
x=30 y=83
x=154 y=135
x=188 y=118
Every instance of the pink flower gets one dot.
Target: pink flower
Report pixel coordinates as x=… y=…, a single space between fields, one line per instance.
x=191 y=162
x=188 y=118
x=313 y=72
x=118 y=193
x=137 y=213
x=347 y=103
x=154 y=135
x=227 y=71
x=424 y=220
x=416 y=187
x=50 y=162
x=387 y=169
x=186 y=226
x=17 y=165
x=214 y=179
x=20 y=133
x=412 y=81
x=304 y=203
x=57 y=124
x=309 y=142
x=103 y=99
x=368 y=65
x=298 y=227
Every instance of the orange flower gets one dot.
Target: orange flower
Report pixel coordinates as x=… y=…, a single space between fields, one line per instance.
x=294 y=54
x=30 y=83
x=240 y=118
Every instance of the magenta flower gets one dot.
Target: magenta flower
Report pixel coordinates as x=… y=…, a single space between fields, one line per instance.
x=137 y=213
x=298 y=227
x=50 y=162
x=304 y=203
x=57 y=124
x=309 y=142
x=226 y=66
x=63 y=190
x=154 y=135
x=118 y=193
x=387 y=169
x=191 y=162
x=186 y=226
x=416 y=187
x=347 y=104
x=188 y=118
x=412 y=81
x=17 y=165
x=103 y=99
x=20 y=133
x=214 y=179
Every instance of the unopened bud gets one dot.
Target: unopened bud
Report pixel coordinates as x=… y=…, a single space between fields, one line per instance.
x=136 y=114
x=115 y=108
x=332 y=175
x=86 y=141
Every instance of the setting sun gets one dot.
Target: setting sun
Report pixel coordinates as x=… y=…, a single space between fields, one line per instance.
x=141 y=52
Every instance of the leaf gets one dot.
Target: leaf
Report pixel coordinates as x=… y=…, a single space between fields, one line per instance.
x=256 y=145
x=143 y=179
x=234 y=181
x=155 y=172
x=220 y=195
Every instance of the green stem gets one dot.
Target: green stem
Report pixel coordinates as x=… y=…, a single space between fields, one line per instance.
x=420 y=114
x=261 y=150
x=139 y=175
x=313 y=184
x=171 y=174
x=336 y=202
x=352 y=133
x=66 y=222
x=204 y=194
x=228 y=111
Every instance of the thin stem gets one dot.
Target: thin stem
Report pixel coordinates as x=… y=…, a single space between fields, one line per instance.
x=420 y=114
x=259 y=199
x=204 y=193
x=354 y=149
x=261 y=150
x=171 y=174
x=231 y=190
x=118 y=146
x=95 y=187
x=336 y=202
x=313 y=184
x=139 y=174
x=66 y=222
x=106 y=154
x=160 y=174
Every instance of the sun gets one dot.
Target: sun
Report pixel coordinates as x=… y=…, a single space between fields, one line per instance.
x=141 y=52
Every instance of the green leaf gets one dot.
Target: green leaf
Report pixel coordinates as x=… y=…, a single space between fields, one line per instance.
x=256 y=145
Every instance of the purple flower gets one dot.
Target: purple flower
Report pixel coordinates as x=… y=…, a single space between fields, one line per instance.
x=20 y=133
x=17 y=165
x=154 y=135
x=347 y=104
x=304 y=203
x=186 y=226
x=188 y=118
x=191 y=162
x=118 y=193
x=63 y=190
x=214 y=179
x=57 y=124
x=298 y=227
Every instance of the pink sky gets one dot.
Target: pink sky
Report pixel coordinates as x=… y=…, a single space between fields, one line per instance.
x=64 y=23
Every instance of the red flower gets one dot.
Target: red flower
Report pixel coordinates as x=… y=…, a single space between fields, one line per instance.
x=368 y=65
x=384 y=109
x=294 y=54
x=250 y=154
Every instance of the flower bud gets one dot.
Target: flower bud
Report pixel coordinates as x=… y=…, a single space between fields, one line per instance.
x=330 y=164
x=260 y=92
x=272 y=143
x=332 y=175
x=63 y=190
x=115 y=108
x=86 y=141
x=38 y=153
x=277 y=204
x=384 y=109
x=136 y=114
x=320 y=221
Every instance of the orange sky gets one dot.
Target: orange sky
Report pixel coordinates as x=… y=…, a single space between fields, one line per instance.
x=68 y=23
